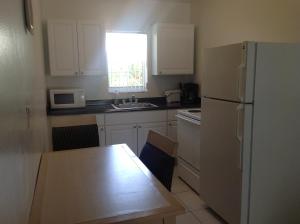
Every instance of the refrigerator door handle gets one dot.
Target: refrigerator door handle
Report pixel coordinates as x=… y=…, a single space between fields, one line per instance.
x=240 y=163
x=241 y=75
x=240 y=80
x=240 y=110
x=239 y=135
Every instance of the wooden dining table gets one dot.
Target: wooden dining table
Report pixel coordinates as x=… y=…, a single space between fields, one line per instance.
x=100 y=185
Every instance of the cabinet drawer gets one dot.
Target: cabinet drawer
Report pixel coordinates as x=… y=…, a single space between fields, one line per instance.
x=135 y=117
x=72 y=120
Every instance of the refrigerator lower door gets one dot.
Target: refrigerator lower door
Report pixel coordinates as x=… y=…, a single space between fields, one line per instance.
x=221 y=157
x=229 y=72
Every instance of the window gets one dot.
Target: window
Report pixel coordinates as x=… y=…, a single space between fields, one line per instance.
x=127 y=62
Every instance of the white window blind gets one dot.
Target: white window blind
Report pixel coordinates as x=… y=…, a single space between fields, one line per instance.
x=127 y=62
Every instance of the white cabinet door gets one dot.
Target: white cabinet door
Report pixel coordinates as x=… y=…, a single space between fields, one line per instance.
x=91 y=45
x=63 y=48
x=101 y=131
x=173 y=52
x=101 y=128
x=172 y=130
x=119 y=134
x=143 y=130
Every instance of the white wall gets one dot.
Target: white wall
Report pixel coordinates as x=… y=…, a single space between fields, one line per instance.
x=22 y=82
x=222 y=22
x=132 y=15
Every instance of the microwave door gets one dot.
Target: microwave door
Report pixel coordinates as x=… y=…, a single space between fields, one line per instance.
x=64 y=98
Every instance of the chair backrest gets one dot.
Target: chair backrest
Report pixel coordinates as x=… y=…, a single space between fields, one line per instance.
x=162 y=142
x=158 y=155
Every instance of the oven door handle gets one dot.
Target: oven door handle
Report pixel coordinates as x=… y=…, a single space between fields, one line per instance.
x=190 y=120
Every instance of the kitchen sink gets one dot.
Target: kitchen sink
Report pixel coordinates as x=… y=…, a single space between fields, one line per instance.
x=132 y=106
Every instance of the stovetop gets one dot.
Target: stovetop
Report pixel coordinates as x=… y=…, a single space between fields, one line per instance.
x=191 y=113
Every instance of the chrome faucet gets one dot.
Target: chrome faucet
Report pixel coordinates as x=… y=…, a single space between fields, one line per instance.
x=133 y=99
x=116 y=100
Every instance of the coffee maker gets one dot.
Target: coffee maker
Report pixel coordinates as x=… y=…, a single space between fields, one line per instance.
x=189 y=93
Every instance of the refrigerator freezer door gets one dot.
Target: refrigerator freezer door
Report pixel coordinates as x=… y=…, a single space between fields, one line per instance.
x=221 y=157
x=229 y=72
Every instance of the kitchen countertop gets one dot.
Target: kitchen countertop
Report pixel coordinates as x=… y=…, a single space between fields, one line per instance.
x=104 y=106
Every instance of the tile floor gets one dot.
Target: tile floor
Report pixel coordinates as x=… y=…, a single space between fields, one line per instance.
x=196 y=210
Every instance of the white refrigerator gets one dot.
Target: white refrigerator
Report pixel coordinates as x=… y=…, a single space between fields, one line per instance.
x=250 y=133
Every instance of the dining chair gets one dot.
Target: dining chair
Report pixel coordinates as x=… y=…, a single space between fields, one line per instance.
x=158 y=156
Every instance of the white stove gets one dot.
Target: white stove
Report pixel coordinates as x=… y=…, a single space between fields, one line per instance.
x=191 y=113
x=188 y=131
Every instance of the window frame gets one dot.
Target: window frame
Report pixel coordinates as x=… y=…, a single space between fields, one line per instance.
x=129 y=89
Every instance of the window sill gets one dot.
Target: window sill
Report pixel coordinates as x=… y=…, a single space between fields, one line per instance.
x=126 y=90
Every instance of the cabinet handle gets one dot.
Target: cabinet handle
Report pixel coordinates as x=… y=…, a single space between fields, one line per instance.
x=81 y=73
x=28 y=115
x=76 y=73
x=101 y=128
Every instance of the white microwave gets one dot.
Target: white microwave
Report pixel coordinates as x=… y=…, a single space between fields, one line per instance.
x=67 y=98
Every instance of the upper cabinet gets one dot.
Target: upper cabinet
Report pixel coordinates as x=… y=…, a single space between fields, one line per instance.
x=173 y=49
x=63 y=48
x=91 y=46
x=76 y=48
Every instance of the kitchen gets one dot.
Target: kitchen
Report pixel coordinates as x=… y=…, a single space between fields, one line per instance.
x=215 y=24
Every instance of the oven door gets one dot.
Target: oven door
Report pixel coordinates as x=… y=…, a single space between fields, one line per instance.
x=189 y=140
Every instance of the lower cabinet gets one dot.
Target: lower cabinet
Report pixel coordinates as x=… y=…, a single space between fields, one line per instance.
x=117 y=128
x=134 y=135
x=101 y=131
x=172 y=124
x=119 y=134
x=172 y=130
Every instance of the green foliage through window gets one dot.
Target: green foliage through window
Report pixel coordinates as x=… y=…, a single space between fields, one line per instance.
x=127 y=61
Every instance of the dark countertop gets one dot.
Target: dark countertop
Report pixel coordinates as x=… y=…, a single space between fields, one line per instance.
x=104 y=106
